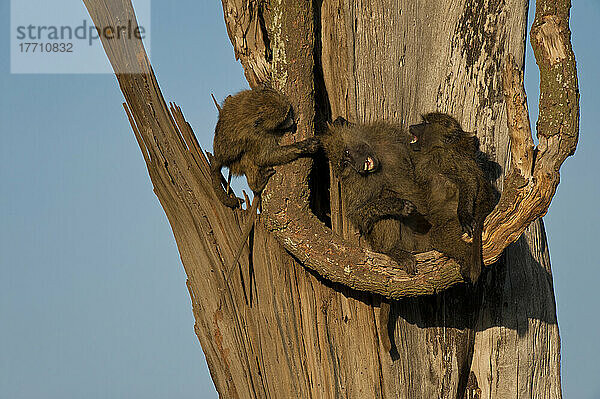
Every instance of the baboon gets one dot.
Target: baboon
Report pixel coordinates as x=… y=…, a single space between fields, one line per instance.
x=404 y=192
x=246 y=141
x=374 y=165
x=381 y=196
x=460 y=196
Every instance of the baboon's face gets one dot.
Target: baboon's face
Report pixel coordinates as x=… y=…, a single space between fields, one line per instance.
x=275 y=122
x=360 y=158
x=440 y=130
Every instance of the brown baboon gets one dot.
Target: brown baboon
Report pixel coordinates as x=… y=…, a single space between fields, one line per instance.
x=374 y=165
x=247 y=139
x=381 y=196
x=460 y=196
x=247 y=142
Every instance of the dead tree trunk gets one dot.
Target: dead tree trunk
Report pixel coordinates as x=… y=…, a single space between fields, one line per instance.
x=280 y=330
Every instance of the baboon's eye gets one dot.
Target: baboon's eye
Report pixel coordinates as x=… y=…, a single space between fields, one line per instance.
x=414 y=139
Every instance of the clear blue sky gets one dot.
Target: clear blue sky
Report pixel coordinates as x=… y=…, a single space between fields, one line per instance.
x=93 y=300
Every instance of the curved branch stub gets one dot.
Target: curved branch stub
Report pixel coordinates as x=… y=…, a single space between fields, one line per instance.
x=530 y=186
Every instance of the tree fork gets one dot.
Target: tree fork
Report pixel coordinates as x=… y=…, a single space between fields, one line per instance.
x=529 y=186
x=288 y=339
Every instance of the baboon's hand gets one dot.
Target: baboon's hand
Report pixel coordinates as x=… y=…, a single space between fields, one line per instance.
x=264 y=174
x=406 y=261
x=409 y=264
x=309 y=146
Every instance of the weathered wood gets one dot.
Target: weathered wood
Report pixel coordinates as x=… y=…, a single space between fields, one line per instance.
x=534 y=174
x=278 y=330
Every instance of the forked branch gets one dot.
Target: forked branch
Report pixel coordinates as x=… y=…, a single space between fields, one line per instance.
x=528 y=188
x=535 y=171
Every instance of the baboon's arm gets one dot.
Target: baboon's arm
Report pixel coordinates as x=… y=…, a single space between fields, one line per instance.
x=286 y=153
x=387 y=205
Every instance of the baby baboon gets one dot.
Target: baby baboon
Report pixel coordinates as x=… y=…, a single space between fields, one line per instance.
x=460 y=197
x=247 y=142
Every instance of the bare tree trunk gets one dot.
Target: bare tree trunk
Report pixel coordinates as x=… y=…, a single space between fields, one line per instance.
x=278 y=330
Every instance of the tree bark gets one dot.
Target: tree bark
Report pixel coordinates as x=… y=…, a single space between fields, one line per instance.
x=279 y=330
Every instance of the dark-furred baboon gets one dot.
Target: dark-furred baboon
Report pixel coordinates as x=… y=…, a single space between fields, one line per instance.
x=247 y=139
x=378 y=186
x=247 y=142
